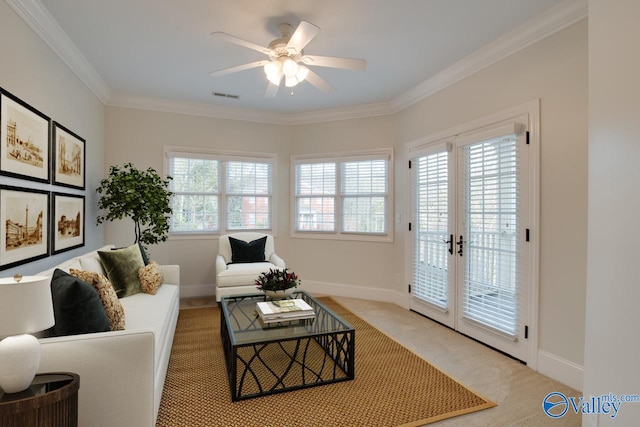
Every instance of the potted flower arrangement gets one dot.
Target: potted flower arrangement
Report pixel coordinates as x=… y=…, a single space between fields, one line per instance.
x=278 y=284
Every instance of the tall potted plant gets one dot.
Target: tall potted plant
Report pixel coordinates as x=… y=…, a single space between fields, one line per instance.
x=140 y=195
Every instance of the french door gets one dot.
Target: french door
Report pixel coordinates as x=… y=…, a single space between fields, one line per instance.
x=470 y=234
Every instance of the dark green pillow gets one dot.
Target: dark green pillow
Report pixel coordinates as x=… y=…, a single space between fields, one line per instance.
x=77 y=308
x=121 y=266
x=143 y=252
x=242 y=252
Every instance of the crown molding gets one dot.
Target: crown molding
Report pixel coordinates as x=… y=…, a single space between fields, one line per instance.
x=547 y=23
x=344 y=113
x=555 y=19
x=197 y=109
x=43 y=24
x=261 y=116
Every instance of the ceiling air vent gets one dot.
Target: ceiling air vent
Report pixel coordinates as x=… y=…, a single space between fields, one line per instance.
x=225 y=95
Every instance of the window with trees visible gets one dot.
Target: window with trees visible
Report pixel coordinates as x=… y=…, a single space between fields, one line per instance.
x=344 y=197
x=216 y=193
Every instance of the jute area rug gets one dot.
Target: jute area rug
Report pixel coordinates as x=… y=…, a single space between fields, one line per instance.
x=393 y=386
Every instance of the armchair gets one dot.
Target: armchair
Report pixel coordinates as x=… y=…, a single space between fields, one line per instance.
x=239 y=278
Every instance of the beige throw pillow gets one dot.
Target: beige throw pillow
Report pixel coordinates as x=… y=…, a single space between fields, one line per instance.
x=150 y=277
x=110 y=301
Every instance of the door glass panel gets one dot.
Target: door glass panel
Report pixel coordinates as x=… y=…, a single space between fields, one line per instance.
x=490 y=209
x=430 y=257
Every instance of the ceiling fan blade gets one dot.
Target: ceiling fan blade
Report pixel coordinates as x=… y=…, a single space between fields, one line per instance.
x=318 y=82
x=272 y=90
x=305 y=32
x=236 y=40
x=335 y=62
x=222 y=72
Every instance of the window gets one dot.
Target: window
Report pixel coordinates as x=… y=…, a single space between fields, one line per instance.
x=216 y=193
x=343 y=197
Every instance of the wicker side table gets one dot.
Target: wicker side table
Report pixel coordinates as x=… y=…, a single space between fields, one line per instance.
x=51 y=400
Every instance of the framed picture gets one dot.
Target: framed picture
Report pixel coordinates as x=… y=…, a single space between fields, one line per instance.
x=24 y=140
x=24 y=235
x=68 y=158
x=68 y=222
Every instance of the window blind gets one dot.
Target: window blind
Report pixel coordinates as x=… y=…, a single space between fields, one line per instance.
x=248 y=195
x=195 y=202
x=430 y=254
x=315 y=192
x=364 y=196
x=491 y=202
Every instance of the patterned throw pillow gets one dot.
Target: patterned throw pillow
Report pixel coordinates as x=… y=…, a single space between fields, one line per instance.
x=150 y=277
x=112 y=305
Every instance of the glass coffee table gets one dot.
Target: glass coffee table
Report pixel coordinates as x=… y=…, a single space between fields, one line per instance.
x=263 y=359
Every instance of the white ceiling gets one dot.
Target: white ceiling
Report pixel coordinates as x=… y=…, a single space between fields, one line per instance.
x=162 y=49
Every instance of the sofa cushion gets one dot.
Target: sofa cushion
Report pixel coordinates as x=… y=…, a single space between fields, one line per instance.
x=92 y=263
x=107 y=295
x=122 y=267
x=243 y=274
x=243 y=252
x=146 y=311
x=77 y=308
x=151 y=277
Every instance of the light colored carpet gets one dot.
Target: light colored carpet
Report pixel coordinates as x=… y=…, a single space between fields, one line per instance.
x=393 y=386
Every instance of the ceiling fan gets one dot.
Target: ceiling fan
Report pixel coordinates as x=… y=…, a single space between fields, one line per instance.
x=287 y=59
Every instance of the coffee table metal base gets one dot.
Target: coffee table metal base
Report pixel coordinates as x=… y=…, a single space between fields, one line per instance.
x=291 y=361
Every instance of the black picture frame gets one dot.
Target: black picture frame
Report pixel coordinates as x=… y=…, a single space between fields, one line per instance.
x=24 y=235
x=68 y=222
x=25 y=140
x=68 y=158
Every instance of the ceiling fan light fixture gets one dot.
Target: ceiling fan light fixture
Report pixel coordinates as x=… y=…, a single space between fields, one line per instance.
x=302 y=73
x=290 y=81
x=272 y=68
x=289 y=67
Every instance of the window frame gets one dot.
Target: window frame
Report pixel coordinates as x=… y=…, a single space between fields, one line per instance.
x=339 y=195
x=224 y=157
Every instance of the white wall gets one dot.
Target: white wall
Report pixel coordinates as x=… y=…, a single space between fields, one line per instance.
x=613 y=293
x=341 y=267
x=31 y=71
x=555 y=71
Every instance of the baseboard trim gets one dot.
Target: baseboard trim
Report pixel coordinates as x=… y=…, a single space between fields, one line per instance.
x=560 y=369
x=196 y=291
x=354 y=291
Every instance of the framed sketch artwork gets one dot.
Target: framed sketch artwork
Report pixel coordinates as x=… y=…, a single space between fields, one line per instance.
x=24 y=140
x=24 y=235
x=68 y=222
x=68 y=158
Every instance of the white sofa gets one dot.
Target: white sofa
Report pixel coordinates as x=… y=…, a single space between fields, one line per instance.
x=239 y=279
x=122 y=373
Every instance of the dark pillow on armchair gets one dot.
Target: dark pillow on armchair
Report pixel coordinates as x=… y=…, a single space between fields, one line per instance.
x=77 y=308
x=242 y=251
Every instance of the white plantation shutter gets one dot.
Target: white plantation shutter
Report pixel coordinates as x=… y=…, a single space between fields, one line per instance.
x=430 y=252
x=364 y=196
x=195 y=202
x=315 y=194
x=490 y=202
x=248 y=190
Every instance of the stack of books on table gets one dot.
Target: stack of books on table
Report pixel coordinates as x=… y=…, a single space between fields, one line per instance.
x=284 y=310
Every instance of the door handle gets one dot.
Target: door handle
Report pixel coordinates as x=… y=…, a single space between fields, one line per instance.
x=460 y=244
x=450 y=242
